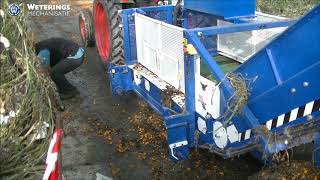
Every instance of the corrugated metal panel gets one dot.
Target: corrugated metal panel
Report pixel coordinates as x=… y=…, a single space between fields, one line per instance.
x=160 y=49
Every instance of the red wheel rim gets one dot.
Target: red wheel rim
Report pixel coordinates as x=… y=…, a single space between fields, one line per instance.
x=82 y=29
x=101 y=32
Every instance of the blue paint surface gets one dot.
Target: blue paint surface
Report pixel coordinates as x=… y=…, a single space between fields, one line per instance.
x=289 y=61
x=223 y=8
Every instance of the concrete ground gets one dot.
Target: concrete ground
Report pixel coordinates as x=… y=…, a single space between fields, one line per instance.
x=120 y=137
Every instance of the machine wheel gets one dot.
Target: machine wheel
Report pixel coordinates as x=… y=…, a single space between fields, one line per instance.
x=107 y=31
x=86 y=28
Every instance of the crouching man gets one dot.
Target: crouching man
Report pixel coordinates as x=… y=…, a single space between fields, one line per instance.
x=59 y=56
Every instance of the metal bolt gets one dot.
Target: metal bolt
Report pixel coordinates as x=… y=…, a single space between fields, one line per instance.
x=199 y=34
x=217 y=135
x=286 y=142
x=120 y=25
x=305 y=84
x=309 y=117
x=119 y=91
x=208 y=116
x=293 y=90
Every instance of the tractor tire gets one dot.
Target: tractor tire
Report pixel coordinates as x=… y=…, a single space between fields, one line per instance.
x=107 y=32
x=86 y=27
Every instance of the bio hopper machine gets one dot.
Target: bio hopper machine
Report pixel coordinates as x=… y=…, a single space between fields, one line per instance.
x=222 y=76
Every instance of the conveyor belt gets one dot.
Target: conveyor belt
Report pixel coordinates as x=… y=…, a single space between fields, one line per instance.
x=227 y=65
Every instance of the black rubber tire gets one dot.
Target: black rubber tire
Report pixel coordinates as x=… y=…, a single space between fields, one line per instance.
x=116 y=55
x=86 y=16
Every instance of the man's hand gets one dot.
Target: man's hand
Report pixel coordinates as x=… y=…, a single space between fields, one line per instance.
x=44 y=66
x=43 y=71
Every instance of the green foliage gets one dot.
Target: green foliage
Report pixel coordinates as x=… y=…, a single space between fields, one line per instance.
x=286 y=8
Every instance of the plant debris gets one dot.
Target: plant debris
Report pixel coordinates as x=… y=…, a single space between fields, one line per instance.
x=28 y=103
x=294 y=170
x=167 y=94
x=239 y=99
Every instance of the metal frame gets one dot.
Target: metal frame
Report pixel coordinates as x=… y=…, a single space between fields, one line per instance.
x=181 y=124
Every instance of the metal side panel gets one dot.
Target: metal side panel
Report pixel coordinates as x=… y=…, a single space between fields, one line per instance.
x=223 y=8
x=285 y=74
x=207 y=97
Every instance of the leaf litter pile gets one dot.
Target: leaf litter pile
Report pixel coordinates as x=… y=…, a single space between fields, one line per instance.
x=149 y=145
x=294 y=170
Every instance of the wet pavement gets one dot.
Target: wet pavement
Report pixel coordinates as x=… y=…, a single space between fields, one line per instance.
x=121 y=137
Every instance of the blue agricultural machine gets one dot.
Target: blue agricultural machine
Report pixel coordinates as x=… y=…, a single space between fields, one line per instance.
x=173 y=59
